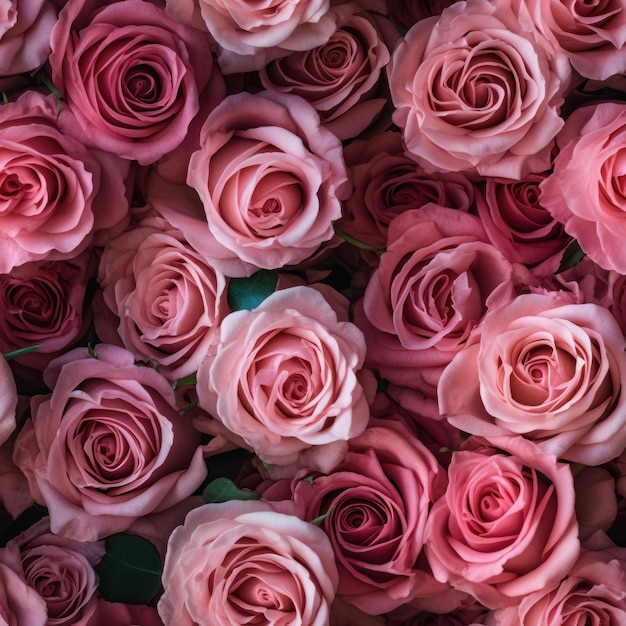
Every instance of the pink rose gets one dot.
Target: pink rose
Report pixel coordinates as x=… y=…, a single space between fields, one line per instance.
x=25 y=27
x=594 y=592
x=132 y=76
x=596 y=500
x=19 y=603
x=57 y=197
x=108 y=445
x=242 y=562
x=584 y=190
x=15 y=495
x=506 y=526
x=478 y=89
x=60 y=570
x=166 y=298
x=342 y=78
x=405 y=13
x=545 y=368
x=270 y=181
x=8 y=401
x=286 y=377
x=109 y=613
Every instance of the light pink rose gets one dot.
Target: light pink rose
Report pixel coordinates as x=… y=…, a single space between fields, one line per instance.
x=506 y=526
x=109 y=613
x=60 y=570
x=19 y=603
x=25 y=28
x=548 y=369
x=287 y=378
x=478 y=89
x=584 y=191
x=240 y=562
x=270 y=180
x=108 y=445
x=594 y=592
x=342 y=78
x=56 y=196
x=132 y=76
x=168 y=300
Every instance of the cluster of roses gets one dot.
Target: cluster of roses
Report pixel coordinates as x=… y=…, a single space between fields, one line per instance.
x=349 y=257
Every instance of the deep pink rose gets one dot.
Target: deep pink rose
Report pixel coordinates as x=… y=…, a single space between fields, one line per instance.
x=506 y=526
x=25 y=27
x=19 y=603
x=242 y=562
x=287 y=378
x=594 y=592
x=56 y=196
x=585 y=192
x=59 y=569
x=342 y=78
x=108 y=445
x=132 y=76
x=546 y=368
x=168 y=300
x=270 y=180
x=109 y=613
x=478 y=89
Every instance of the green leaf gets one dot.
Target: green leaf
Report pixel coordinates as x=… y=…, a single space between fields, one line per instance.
x=248 y=293
x=14 y=353
x=130 y=571
x=355 y=242
x=191 y=379
x=5 y=99
x=308 y=479
x=573 y=254
x=44 y=79
x=318 y=520
x=223 y=489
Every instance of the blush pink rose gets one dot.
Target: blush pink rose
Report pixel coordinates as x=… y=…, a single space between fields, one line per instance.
x=506 y=526
x=478 y=89
x=132 y=76
x=25 y=28
x=547 y=369
x=270 y=179
x=19 y=603
x=108 y=445
x=242 y=562
x=168 y=300
x=287 y=378
x=584 y=192
x=56 y=196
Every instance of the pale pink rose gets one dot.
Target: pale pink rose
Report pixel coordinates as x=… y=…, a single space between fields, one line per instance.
x=60 y=570
x=506 y=526
x=132 y=76
x=342 y=78
x=594 y=592
x=478 y=89
x=287 y=378
x=270 y=179
x=19 y=603
x=242 y=562
x=584 y=191
x=56 y=196
x=8 y=401
x=109 y=613
x=548 y=369
x=167 y=299
x=108 y=445
x=374 y=508
x=25 y=28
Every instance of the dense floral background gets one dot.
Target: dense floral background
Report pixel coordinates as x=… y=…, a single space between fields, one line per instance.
x=313 y=312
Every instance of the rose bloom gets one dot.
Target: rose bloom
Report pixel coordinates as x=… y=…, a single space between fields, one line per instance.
x=594 y=592
x=60 y=570
x=19 y=603
x=241 y=562
x=25 y=27
x=478 y=89
x=108 y=613
x=56 y=196
x=108 y=445
x=286 y=377
x=132 y=76
x=270 y=180
x=584 y=192
x=506 y=526
x=166 y=298
x=341 y=78
x=8 y=400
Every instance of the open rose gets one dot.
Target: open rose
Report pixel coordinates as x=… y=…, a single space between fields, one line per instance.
x=478 y=89
x=286 y=377
x=108 y=445
x=506 y=526
x=545 y=368
x=132 y=76
x=242 y=562
x=19 y=603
